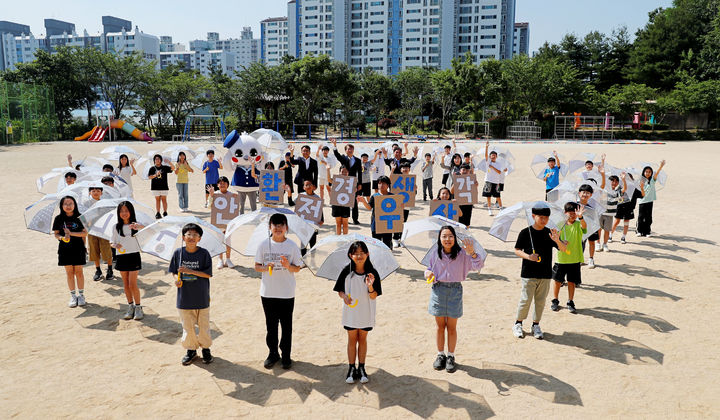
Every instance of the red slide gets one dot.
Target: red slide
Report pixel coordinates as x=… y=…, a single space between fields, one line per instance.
x=99 y=134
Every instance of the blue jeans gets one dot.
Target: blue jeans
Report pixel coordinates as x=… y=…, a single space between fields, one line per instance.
x=182 y=195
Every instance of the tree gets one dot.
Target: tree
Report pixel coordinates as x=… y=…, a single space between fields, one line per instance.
x=86 y=61
x=627 y=99
x=413 y=89
x=179 y=93
x=374 y=94
x=122 y=76
x=444 y=93
x=313 y=83
x=693 y=96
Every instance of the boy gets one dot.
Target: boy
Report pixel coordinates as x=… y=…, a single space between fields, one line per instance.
x=222 y=184
x=492 y=179
x=467 y=159
x=405 y=170
x=366 y=175
x=210 y=169
x=107 y=168
x=324 y=166
x=614 y=197
x=70 y=178
x=427 y=174
x=585 y=192
x=193 y=267
x=98 y=247
x=278 y=259
x=465 y=209
x=384 y=188
x=568 y=264
x=446 y=158
x=534 y=245
x=552 y=173
x=309 y=188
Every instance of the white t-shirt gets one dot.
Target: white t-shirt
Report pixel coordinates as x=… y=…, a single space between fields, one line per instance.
x=282 y=282
x=378 y=169
x=361 y=315
x=128 y=242
x=126 y=174
x=447 y=160
x=492 y=176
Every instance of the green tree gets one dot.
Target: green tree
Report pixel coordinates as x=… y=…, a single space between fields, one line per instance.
x=122 y=76
x=444 y=93
x=627 y=99
x=179 y=93
x=375 y=92
x=414 y=90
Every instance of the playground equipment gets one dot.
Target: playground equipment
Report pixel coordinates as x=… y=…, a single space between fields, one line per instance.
x=103 y=113
x=481 y=128
x=204 y=127
x=588 y=127
x=130 y=129
x=524 y=129
x=27 y=112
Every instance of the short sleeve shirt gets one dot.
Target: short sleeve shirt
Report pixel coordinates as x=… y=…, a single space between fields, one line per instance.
x=543 y=246
x=213 y=174
x=573 y=234
x=281 y=284
x=160 y=183
x=362 y=314
x=195 y=291
x=554 y=179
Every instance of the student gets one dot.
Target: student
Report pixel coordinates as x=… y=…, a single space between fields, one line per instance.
x=366 y=174
x=126 y=170
x=324 y=167
x=278 y=259
x=341 y=213
x=159 y=183
x=645 y=208
x=211 y=169
x=309 y=189
x=181 y=170
x=384 y=187
x=585 y=192
x=405 y=170
x=534 y=245
x=467 y=160
x=447 y=269
x=568 y=262
x=551 y=176
x=70 y=178
x=223 y=183
x=70 y=234
x=192 y=267
x=427 y=174
x=466 y=210
x=445 y=161
x=287 y=166
x=378 y=169
x=454 y=167
x=107 y=168
x=358 y=285
x=354 y=167
x=97 y=246
x=616 y=194
x=493 y=176
x=626 y=212
x=128 y=260
x=444 y=194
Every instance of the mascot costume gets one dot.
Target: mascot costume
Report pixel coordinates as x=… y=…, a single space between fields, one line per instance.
x=244 y=157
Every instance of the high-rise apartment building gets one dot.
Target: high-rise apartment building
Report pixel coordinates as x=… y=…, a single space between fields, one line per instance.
x=273 y=40
x=245 y=49
x=521 y=38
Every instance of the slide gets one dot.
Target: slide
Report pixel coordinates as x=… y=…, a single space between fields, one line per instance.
x=99 y=135
x=130 y=129
x=88 y=134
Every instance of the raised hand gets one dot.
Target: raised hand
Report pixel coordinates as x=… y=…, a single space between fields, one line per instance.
x=469 y=246
x=284 y=262
x=554 y=235
x=369 y=279
x=579 y=212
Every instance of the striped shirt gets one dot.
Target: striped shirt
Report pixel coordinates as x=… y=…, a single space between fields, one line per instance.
x=614 y=197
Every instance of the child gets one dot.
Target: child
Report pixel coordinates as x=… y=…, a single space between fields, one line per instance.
x=70 y=178
x=340 y=213
x=159 y=183
x=568 y=262
x=211 y=169
x=70 y=233
x=445 y=160
x=366 y=176
x=447 y=270
x=427 y=174
x=309 y=189
x=467 y=160
x=405 y=170
x=645 y=208
x=286 y=166
x=384 y=187
x=125 y=170
x=493 y=176
x=107 y=168
x=585 y=192
x=466 y=210
x=614 y=196
x=128 y=260
x=453 y=169
x=97 y=246
x=378 y=169
x=534 y=245
x=193 y=267
x=222 y=183
x=444 y=194
x=181 y=170
x=626 y=212
x=358 y=285
x=278 y=258
x=551 y=175
x=324 y=166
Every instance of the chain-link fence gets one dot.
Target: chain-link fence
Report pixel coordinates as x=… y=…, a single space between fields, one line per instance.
x=27 y=113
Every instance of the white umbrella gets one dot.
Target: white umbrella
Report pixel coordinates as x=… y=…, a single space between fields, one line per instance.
x=329 y=256
x=101 y=218
x=201 y=156
x=245 y=232
x=114 y=152
x=270 y=139
x=44 y=185
x=419 y=237
x=500 y=163
x=502 y=223
x=120 y=189
x=578 y=162
x=636 y=169
x=568 y=191
x=149 y=162
x=174 y=151
x=164 y=236
x=539 y=164
x=39 y=215
x=82 y=190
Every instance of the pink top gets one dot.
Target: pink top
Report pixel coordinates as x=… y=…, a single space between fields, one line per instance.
x=453 y=271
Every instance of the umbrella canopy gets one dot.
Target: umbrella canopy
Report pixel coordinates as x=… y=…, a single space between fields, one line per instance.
x=419 y=237
x=568 y=191
x=270 y=139
x=636 y=169
x=114 y=152
x=44 y=185
x=539 y=163
x=578 y=161
x=201 y=156
x=148 y=162
x=101 y=218
x=245 y=232
x=121 y=188
x=500 y=163
x=329 y=256
x=164 y=236
x=174 y=151
x=504 y=220
x=39 y=215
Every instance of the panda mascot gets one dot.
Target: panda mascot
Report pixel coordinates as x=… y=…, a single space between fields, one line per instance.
x=244 y=157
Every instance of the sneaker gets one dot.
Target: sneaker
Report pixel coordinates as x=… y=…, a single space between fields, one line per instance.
x=189 y=357
x=638 y=234
x=490 y=212
x=351 y=373
x=599 y=247
x=363 y=375
x=206 y=204
x=81 y=300
x=286 y=363
x=518 y=331
x=271 y=360
x=537 y=332
x=396 y=243
x=109 y=275
x=555 y=305
x=158 y=216
x=649 y=235
x=130 y=313
x=605 y=248
x=450 y=364
x=591 y=263
x=138 y=313
x=220 y=264
x=356 y=222
x=622 y=240
x=207 y=357
x=571 y=307
x=98 y=275
x=229 y=264
x=73 y=301
x=440 y=362
x=164 y=214
x=610 y=238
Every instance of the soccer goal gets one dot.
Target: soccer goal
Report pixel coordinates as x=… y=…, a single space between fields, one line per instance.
x=475 y=129
x=204 y=127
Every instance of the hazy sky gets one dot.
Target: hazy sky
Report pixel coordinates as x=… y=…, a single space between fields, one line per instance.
x=185 y=20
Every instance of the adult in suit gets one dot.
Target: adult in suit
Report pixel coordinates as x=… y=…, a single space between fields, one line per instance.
x=354 y=167
x=307 y=167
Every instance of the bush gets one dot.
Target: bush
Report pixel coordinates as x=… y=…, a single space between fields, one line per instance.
x=498 y=126
x=708 y=135
x=387 y=123
x=434 y=125
x=654 y=127
x=654 y=135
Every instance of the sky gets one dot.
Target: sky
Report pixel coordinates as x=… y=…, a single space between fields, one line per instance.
x=186 y=20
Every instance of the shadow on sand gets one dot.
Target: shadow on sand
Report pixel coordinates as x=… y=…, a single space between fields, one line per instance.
x=609 y=347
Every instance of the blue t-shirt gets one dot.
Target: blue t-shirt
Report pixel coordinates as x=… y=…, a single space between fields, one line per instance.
x=554 y=179
x=212 y=175
x=195 y=291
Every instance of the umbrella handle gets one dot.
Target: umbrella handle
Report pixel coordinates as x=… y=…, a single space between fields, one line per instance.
x=270 y=270
x=430 y=279
x=179 y=282
x=539 y=259
x=354 y=304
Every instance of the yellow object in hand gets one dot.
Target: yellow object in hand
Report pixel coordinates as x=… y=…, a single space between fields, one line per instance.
x=179 y=280
x=430 y=279
x=354 y=304
x=66 y=240
x=270 y=270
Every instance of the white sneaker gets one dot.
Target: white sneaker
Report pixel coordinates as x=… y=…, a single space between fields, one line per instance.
x=130 y=313
x=396 y=243
x=206 y=204
x=73 y=301
x=138 y=313
x=518 y=331
x=649 y=235
x=638 y=234
x=622 y=240
x=605 y=248
x=537 y=332
x=610 y=238
x=490 y=212
x=220 y=264
x=81 y=300
x=591 y=263
x=599 y=247
x=229 y=264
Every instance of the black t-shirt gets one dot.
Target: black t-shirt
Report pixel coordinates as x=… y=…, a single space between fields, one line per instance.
x=74 y=224
x=543 y=247
x=287 y=171
x=195 y=291
x=340 y=283
x=161 y=183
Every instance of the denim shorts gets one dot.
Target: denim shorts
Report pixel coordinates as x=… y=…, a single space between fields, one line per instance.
x=446 y=300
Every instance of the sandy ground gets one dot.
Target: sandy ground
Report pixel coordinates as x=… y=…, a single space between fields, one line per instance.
x=641 y=345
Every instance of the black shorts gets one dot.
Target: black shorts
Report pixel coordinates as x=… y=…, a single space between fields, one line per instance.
x=365 y=191
x=567 y=272
x=215 y=187
x=491 y=190
x=128 y=262
x=625 y=212
x=594 y=237
x=339 y=211
x=374 y=184
x=501 y=187
x=353 y=329
x=72 y=258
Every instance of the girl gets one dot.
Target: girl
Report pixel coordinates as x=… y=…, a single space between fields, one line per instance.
x=286 y=166
x=128 y=257
x=159 y=184
x=181 y=170
x=454 y=167
x=646 y=203
x=70 y=232
x=447 y=269
x=444 y=194
x=324 y=165
x=125 y=170
x=340 y=213
x=223 y=184
x=384 y=186
x=358 y=285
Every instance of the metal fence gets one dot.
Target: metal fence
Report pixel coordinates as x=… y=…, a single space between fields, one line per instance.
x=27 y=113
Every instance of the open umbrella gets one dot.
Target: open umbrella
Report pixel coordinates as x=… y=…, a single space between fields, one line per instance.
x=201 y=156
x=504 y=220
x=419 y=237
x=164 y=236
x=101 y=218
x=329 y=256
x=44 y=185
x=636 y=169
x=539 y=164
x=39 y=215
x=174 y=151
x=120 y=189
x=114 y=152
x=245 y=232
x=567 y=191
x=270 y=139
x=578 y=161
